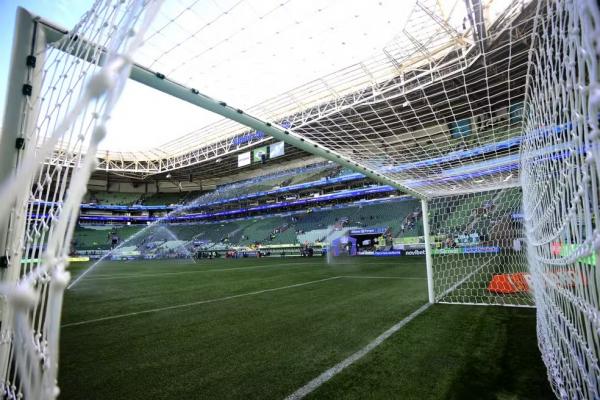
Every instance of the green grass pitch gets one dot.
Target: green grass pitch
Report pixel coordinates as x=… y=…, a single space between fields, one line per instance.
x=262 y=328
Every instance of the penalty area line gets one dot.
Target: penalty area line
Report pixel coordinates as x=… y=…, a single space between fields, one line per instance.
x=336 y=369
x=195 y=303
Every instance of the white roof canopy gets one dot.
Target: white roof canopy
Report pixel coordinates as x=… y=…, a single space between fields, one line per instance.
x=244 y=52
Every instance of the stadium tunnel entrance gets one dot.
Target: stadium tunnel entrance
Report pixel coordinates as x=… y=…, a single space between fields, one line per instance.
x=370 y=240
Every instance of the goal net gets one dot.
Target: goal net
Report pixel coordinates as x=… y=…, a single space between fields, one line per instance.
x=487 y=111
x=560 y=175
x=479 y=248
x=59 y=100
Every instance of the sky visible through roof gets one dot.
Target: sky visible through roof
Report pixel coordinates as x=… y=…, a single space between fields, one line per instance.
x=242 y=52
x=64 y=12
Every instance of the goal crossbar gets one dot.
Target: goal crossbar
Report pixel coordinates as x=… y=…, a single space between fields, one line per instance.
x=158 y=81
x=505 y=165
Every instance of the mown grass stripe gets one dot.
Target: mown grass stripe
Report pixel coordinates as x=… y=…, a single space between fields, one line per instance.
x=336 y=369
x=195 y=303
x=143 y=275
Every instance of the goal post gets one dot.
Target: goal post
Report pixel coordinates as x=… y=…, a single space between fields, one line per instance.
x=56 y=111
x=162 y=83
x=28 y=41
x=498 y=136
x=428 y=250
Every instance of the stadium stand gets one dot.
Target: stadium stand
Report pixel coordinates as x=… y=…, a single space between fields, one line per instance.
x=310 y=225
x=157 y=199
x=488 y=216
x=114 y=198
x=279 y=180
x=303 y=178
x=97 y=237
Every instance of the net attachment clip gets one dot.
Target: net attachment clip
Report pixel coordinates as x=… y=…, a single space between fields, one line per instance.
x=30 y=61
x=20 y=143
x=27 y=89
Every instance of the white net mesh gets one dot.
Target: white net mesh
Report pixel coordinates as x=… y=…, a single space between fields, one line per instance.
x=438 y=110
x=455 y=108
x=479 y=249
x=436 y=96
x=76 y=83
x=561 y=188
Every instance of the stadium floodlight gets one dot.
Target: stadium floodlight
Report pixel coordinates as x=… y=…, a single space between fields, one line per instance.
x=492 y=122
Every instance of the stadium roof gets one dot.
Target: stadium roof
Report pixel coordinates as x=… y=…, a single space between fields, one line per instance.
x=250 y=51
x=244 y=52
x=264 y=48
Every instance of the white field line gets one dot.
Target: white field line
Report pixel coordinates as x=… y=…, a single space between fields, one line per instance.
x=383 y=277
x=129 y=276
x=93 y=266
x=336 y=369
x=195 y=303
x=464 y=303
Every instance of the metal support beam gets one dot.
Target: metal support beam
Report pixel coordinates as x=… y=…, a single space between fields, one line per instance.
x=161 y=83
x=181 y=92
x=475 y=13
